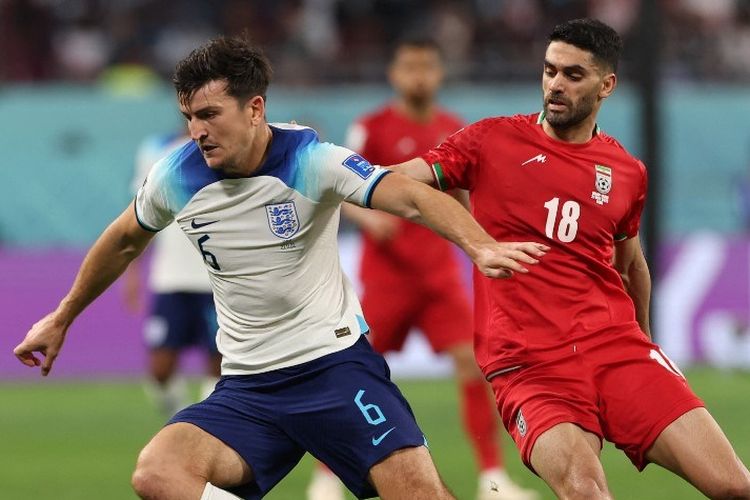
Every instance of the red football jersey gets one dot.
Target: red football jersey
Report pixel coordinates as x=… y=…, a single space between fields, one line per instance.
x=577 y=199
x=386 y=137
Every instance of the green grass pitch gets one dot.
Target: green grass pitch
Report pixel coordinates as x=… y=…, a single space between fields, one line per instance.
x=78 y=441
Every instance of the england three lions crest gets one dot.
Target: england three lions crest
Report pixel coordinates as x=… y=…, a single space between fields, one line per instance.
x=602 y=183
x=283 y=219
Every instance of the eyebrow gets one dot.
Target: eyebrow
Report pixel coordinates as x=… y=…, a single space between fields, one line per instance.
x=205 y=109
x=575 y=68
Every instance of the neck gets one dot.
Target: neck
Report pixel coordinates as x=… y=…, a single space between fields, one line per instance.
x=259 y=150
x=420 y=111
x=577 y=134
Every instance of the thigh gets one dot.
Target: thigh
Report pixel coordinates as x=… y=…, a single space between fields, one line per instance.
x=246 y=421
x=390 y=312
x=567 y=458
x=537 y=397
x=187 y=447
x=445 y=317
x=641 y=391
x=351 y=416
x=694 y=447
x=168 y=324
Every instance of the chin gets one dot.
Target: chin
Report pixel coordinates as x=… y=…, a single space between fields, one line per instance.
x=212 y=163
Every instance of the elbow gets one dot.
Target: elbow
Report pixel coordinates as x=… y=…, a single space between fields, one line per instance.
x=413 y=215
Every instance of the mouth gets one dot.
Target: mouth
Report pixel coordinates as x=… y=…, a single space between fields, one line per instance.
x=556 y=104
x=206 y=149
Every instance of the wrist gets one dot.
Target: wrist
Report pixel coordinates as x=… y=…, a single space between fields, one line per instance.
x=65 y=313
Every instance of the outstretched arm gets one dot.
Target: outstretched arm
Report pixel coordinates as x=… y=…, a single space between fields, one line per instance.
x=631 y=264
x=118 y=245
x=417 y=169
x=403 y=196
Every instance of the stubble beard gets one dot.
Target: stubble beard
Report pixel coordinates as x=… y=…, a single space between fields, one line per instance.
x=574 y=114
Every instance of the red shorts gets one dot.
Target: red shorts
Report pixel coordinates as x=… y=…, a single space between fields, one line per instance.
x=442 y=313
x=621 y=388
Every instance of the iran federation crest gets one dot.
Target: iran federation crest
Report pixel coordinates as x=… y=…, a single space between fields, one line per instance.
x=602 y=183
x=283 y=219
x=603 y=179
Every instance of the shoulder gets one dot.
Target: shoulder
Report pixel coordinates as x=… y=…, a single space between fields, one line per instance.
x=187 y=155
x=495 y=125
x=184 y=170
x=624 y=155
x=292 y=134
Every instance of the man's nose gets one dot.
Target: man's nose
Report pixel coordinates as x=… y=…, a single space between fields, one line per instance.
x=556 y=83
x=197 y=131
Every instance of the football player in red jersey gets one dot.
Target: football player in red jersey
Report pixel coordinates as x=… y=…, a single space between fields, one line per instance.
x=412 y=277
x=568 y=348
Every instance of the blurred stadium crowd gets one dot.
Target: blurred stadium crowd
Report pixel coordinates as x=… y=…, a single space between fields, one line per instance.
x=323 y=41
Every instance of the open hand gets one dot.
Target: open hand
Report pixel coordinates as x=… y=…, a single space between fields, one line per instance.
x=502 y=259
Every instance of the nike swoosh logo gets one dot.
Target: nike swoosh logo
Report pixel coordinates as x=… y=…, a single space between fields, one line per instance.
x=376 y=440
x=196 y=225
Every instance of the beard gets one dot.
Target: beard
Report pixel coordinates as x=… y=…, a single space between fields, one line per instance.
x=419 y=100
x=573 y=114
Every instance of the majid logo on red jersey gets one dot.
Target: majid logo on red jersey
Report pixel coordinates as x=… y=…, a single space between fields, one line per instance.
x=521 y=423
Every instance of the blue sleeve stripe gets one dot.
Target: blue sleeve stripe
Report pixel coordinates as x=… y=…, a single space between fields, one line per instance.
x=140 y=223
x=368 y=195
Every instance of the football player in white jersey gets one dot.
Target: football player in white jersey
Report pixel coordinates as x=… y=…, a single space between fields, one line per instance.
x=261 y=204
x=181 y=312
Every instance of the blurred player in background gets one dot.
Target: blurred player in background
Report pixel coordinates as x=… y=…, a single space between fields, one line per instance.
x=568 y=348
x=261 y=203
x=411 y=277
x=181 y=313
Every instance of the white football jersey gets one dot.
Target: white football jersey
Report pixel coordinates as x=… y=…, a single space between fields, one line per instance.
x=269 y=242
x=175 y=265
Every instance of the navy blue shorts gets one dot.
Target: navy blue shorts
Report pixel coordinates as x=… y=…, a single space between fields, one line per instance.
x=180 y=320
x=342 y=408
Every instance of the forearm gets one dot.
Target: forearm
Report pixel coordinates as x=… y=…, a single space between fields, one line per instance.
x=104 y=263
x=447 y=217
x=354 y=213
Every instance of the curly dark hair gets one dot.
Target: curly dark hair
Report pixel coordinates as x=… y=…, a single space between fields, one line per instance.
x=593 y=36
x=236 y=60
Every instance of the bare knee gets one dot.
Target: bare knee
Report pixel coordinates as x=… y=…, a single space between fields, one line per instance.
x=150 y=476
x=582 y=485
x=159 y=475
x=736 y=487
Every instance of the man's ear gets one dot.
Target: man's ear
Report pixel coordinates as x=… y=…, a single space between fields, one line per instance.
x=256 y=106
x=609 y=83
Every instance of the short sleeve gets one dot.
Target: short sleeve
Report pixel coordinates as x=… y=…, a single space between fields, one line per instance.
x=348 y=176
x=153 y=208
x=630 y=224
x=455 y=161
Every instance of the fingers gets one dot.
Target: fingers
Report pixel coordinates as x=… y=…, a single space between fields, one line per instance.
x=509 y=258
x=47 y=364
x=26 y=357
x=531 y=248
